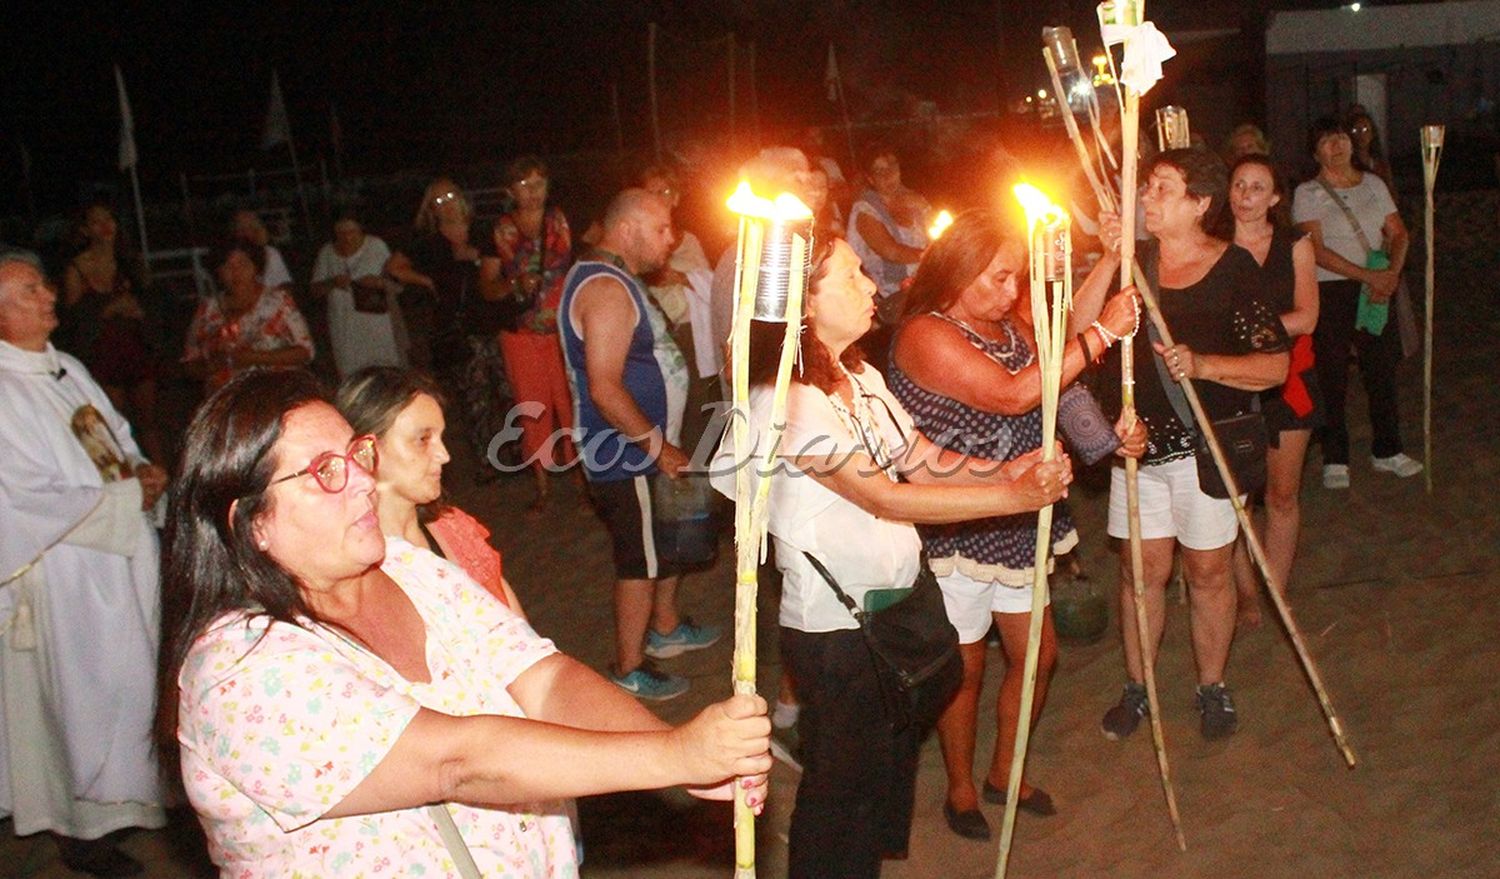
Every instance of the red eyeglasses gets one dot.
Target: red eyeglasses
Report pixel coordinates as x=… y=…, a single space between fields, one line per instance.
x=331 y=470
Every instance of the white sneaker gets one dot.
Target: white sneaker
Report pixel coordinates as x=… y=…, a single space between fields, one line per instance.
x=1335 y=476
x=1399 y=464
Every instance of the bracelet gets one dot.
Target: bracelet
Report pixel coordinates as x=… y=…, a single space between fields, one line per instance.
x=1104 y=333
x=1083 y=342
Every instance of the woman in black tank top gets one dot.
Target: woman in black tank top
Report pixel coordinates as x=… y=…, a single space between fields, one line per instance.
x=1290 y=285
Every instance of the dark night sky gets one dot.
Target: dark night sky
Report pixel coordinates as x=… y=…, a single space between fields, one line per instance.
x=457 y=83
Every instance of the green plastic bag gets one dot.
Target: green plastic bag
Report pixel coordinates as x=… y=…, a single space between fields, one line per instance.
x=1371 y=316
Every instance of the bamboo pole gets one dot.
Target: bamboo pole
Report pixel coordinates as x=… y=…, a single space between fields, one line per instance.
x=747 y=555
x=1051 y=337
x=752 y=497
x=1432 y=154
x=1130 y=149
x=651 y=82
x=1257 y=552
x=1102 y=193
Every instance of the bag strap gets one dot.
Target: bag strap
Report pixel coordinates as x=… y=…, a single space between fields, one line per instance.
x=833 y=584
x=454 y=841
x=1175 y=395
x=1149 y=267
x=1359 y=231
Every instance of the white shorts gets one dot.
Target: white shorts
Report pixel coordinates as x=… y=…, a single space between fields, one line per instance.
x=971 y=602
x=1172 y=505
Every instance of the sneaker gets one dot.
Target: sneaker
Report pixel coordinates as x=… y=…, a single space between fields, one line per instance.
x=680 y=640
x=1335 y=476
x=786 y=745
x=1121 y=720
x=1399 y=464
x=1217 y=709
x=649 y=684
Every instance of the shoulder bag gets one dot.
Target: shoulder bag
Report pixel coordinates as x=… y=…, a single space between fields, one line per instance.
x=1370 y=316
x=914 y=646
x=1242 y=438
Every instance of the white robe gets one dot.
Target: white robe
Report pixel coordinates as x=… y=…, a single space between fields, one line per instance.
x=79 y=615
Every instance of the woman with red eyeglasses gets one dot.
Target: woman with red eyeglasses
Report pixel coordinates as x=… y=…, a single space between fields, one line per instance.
x=345 y=707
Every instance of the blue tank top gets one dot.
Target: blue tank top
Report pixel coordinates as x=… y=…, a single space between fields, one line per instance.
x=1002 y=548
x=654 y=376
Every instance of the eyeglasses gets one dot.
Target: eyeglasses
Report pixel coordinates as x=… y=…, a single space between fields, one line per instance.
x=447 y=196
x=331 y=470
x=538 y=183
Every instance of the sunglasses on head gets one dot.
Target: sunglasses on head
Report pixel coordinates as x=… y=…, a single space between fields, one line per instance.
x=331 y=469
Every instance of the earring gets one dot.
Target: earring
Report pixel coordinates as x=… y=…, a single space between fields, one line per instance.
x=264 y=545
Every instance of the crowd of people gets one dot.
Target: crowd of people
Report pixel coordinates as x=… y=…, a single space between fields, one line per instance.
x=333 y=649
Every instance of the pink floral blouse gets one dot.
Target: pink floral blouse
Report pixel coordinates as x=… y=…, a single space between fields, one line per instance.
x=272 y=324
x=280 y=724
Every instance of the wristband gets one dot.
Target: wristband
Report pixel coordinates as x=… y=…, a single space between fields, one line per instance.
x=1083 y=342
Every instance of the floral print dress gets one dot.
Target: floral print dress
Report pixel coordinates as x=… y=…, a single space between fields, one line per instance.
x=279 y=723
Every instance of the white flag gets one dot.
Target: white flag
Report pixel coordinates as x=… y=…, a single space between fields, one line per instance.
x=831 y=75
x=127 y=124
x=278 y=128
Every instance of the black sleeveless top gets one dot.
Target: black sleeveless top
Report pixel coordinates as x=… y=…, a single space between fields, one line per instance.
x=1226 y=312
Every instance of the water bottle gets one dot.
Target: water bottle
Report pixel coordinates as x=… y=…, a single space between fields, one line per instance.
x=683 y=520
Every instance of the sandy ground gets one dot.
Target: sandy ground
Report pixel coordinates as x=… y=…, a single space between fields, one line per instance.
x=1395 y=592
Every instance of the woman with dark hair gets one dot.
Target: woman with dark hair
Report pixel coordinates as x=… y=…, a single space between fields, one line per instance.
x=105 y=324
x=341 y=709
x=855 y=474
x=248 y=324
x=403 y=410
x=1230 y=341
x=1289 y=271
x=535 y=248
x=1360 y=245
x=963 y=365
x=350 y=274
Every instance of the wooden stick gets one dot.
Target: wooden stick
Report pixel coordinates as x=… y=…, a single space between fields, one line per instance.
x=1257 y=553
x=752 y=498
x=1102 y=193
x=1130 y=149
x=1051 y=337
x=1431 y=156
x=747 y=555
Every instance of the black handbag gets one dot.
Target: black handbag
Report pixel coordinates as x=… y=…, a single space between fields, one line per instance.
x=370 y=298
x=914 y=645
x=1243 y=439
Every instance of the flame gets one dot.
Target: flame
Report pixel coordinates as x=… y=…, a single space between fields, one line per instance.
x=940 y=224
x=1039 y=208
x=785 y=207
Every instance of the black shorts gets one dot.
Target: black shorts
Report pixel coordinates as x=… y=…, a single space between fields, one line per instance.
x=625 y=505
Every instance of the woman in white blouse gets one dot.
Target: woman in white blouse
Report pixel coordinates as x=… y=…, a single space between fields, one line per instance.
x=1360 y=245
x=860 y=476
x=350 y=271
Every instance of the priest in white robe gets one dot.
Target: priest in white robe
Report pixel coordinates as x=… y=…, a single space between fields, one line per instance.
x=80 y=600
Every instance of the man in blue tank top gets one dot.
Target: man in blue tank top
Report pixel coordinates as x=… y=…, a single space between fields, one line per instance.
x=629 y=384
